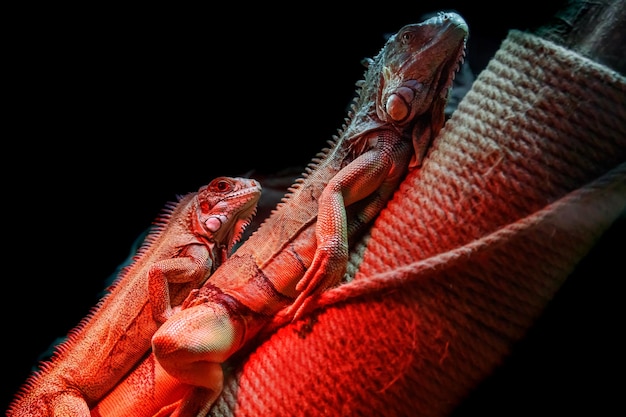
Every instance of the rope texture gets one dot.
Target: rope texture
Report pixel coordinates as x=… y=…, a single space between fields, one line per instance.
x=523 y=179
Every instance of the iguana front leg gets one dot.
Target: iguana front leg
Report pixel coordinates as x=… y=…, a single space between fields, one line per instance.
x=193 y=265
x=373 y=175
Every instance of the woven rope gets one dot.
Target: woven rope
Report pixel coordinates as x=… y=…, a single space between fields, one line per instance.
x=524 y=178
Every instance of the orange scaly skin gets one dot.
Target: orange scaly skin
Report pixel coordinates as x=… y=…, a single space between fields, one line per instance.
x=187 y=242
x=302 y=247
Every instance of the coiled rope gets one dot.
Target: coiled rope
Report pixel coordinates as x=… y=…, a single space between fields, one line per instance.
x=522 y=181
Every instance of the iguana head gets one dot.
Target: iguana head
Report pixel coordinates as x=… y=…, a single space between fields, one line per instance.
x=418 y=67
x=225 y=208
x=418 y=64
x=408 y=82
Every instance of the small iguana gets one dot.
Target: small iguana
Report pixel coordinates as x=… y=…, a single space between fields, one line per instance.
x=191 y=237
x=302 y=247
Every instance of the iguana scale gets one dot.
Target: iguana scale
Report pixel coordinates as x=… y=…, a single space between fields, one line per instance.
x=302 y=248
x=190 y=238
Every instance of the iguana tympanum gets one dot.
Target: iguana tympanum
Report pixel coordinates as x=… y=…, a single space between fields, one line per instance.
x=302 y=247
x=190 y=238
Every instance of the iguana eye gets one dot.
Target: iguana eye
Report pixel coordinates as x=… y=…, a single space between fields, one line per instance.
x=221 y=185
x=406 y=37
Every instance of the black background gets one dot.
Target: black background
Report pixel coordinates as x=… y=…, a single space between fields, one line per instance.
x=116 y=110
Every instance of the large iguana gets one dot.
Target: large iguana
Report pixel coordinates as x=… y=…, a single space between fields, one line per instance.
x=190 y=238
x=302 y=247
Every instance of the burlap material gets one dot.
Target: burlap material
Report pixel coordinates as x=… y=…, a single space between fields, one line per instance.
x=522 y=181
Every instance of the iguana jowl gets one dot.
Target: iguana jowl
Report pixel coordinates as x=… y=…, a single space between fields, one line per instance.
x=302 y=248
x=187 y=242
